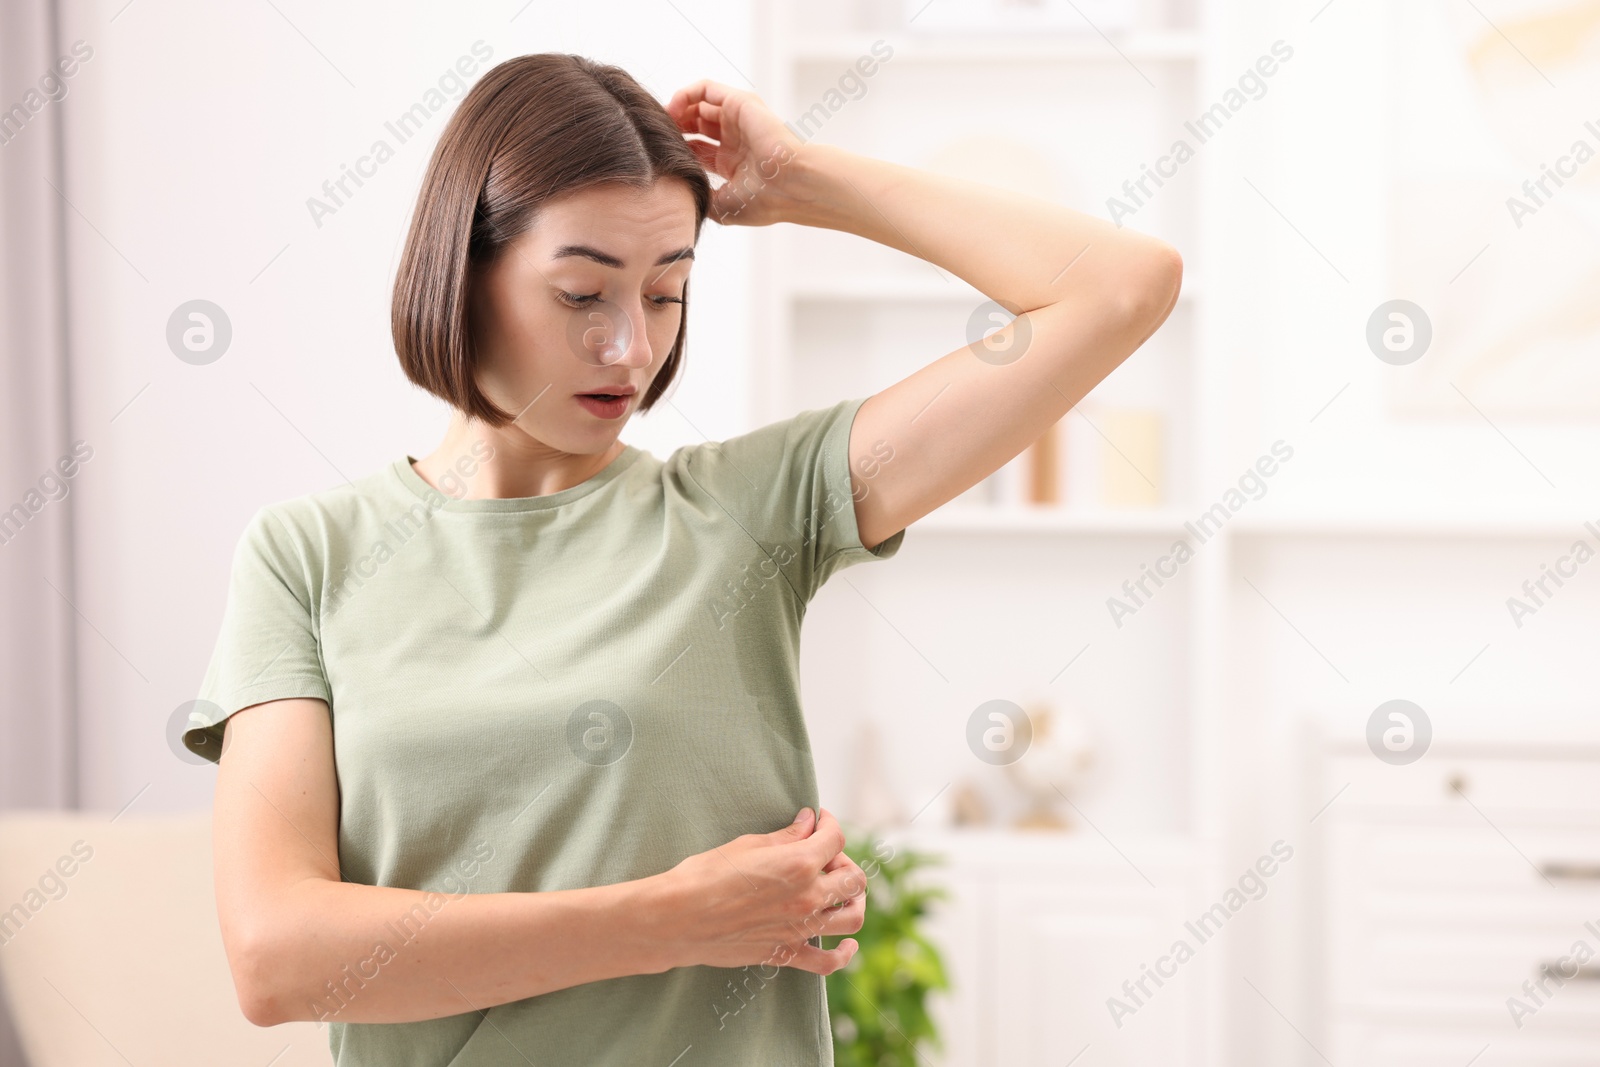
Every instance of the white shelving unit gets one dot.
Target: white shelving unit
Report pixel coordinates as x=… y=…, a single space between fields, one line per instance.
x=811 y=281
x=842 y=317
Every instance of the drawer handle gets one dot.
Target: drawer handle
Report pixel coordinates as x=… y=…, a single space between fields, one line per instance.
x=1572 y=872
x=1586 y=973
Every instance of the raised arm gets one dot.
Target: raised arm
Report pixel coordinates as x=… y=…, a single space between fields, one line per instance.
x=1088 y=294
x=295 y=933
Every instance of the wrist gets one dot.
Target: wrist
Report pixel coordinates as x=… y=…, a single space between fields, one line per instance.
x=653 y=906
x=813 y=186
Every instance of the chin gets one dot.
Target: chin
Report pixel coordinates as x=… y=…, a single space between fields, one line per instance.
x=583 y=440
x=574 y=429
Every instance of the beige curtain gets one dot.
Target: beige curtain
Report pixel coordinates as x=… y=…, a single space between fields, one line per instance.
x=38 y=720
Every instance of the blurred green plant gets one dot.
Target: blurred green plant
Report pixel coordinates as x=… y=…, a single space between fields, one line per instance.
x=878 y=1001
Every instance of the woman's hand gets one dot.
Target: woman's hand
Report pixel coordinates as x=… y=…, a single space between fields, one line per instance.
x=759 y=899
x=752 y=150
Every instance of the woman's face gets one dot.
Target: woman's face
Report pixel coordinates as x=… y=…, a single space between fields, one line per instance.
x=576 y=317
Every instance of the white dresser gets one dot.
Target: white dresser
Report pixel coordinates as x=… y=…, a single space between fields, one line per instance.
x=1445 y=885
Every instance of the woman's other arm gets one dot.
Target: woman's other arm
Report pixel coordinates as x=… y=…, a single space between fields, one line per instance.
x=301 y=942
x=1087 y=295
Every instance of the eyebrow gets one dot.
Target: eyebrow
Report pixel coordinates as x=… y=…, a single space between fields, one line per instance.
x=605 y=259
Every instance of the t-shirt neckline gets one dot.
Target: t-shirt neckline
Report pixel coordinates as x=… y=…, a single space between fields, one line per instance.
x=420 y=488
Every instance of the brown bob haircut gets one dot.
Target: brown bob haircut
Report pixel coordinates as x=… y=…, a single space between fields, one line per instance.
x=533 y=128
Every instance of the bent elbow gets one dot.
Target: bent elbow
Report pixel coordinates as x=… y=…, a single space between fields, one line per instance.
x=1153 y=295
x=259 y=980
x=1173 y=268
x=1172 y=265
x=258 y=1001
x=260 y=1009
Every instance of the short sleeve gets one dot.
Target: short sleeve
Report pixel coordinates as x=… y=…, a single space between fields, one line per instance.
x=268 y=647
x=788 y=485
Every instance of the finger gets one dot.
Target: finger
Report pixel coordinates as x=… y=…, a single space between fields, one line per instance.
x=689 y=97
x=845 y=884
x=796 y=831
x=705 y=152
x=844 y=920
x=842 y=860
x=823 y=960
x=691 y=118
x=678 y=103
x=685 y=105
x=704 y=126
x=709 y=117
x=826 y=841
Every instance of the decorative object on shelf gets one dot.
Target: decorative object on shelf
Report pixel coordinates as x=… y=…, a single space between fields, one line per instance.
x=968 y=807
x=878 y=1001
x=1060 y=753
x=1086 y=16
x=1131 y=471
x=874 y=804
x=1044 y=467
x=1034 y=477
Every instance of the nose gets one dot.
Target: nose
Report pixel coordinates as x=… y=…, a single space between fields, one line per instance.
x=615 y=337
x=636 y=353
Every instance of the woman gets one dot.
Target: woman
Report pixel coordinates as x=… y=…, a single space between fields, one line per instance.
x=509 y=736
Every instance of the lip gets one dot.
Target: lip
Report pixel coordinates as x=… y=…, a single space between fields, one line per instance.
x=612 y=409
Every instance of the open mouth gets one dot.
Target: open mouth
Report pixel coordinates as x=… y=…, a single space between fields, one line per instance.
x=604 y=405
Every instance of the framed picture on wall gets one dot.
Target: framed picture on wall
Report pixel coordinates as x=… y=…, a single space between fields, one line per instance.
x=1495 y=206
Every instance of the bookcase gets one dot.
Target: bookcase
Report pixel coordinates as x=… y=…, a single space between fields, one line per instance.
x=1070 y=113
x=1394 y=541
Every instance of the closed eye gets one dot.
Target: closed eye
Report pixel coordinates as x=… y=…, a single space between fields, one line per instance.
x=584 y=300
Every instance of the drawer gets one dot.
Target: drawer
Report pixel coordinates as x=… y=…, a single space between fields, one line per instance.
x=1376 y=1043
x=1557 y=866
x=1421 y=962
x=1455 y=916
x=1493 y=784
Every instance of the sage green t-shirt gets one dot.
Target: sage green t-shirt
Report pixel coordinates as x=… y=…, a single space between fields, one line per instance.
x=557 y=692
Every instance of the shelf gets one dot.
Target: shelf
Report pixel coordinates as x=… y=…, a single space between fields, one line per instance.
x=981 y=519
x=1454 y=524
x=1001 y=47
x=998 y=851
x=1064 y=520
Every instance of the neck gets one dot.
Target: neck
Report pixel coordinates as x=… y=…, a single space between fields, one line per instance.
x=516 y=464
